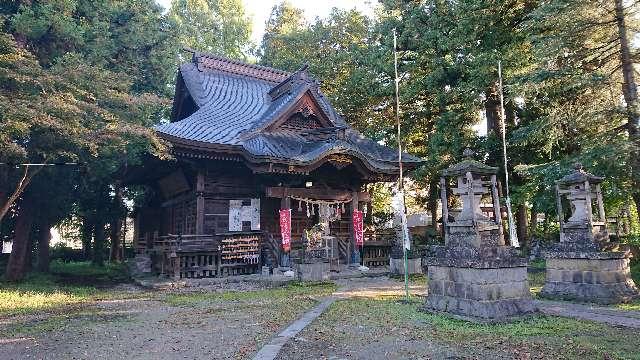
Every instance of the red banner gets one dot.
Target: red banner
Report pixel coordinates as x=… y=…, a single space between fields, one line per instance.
x=285 y=229
x=358 y=227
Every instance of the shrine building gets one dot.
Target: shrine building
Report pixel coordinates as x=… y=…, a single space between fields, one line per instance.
x=248 y=141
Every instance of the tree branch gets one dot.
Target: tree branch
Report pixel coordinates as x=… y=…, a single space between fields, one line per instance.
x=22 y=184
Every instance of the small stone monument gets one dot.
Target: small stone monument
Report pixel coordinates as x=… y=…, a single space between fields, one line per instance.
x=314 y=264
x=475 y=275
x=577 y=268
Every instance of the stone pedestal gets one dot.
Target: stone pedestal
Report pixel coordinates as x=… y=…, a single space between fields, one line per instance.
x=600 y=277
x=414 y=266
x=314 y=271
x=482 y=291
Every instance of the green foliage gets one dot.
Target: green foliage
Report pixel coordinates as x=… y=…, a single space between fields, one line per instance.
x=86 y=272
x=215 y=26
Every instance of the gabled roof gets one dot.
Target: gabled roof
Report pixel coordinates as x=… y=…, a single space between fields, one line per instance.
x=240 y=108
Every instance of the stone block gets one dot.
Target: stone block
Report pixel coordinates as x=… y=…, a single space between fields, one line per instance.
x=449 y=288
x=318 y=271
x=414 y=266
x=488 y=294
x=437 y=273
x=552 y=263
x=515 y=290
x=589 y=277
x=567 y=276
x=605 y=277
x=576 y=276
x=554 y=275
x=436 y=287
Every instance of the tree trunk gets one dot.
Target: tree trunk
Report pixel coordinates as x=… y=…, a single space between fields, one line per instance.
x=115 y=226
x=630 y=93
x=432 y=203
x=87 y=235
x=16 y=267
x=533 y=223
x=636 y=199
x=98 y=242
x=521 y=227
x=494 y=122
x=492 y=110
x=115 y=233
x=44 y=238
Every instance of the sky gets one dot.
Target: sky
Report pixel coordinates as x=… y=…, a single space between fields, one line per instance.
x=259 y=10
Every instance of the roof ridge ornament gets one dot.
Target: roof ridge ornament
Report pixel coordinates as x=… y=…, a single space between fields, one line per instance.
x=297 y=78
x=237 y=67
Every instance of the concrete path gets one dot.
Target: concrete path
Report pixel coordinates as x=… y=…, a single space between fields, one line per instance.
x=356 y=287
x=596 y=313
x=271 y=350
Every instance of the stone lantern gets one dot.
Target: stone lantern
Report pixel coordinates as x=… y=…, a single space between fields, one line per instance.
x=475 y=275
x=577 y=267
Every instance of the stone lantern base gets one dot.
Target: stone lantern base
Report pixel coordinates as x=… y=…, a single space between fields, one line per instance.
x=599 y=277
x=479 y=290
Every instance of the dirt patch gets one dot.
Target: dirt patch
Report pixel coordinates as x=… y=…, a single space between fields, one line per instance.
x=217 y=324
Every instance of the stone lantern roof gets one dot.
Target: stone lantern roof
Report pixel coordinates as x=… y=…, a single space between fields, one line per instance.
x=579 y=176
x=469 y=165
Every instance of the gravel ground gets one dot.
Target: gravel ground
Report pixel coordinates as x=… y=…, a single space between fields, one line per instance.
x=148 y=325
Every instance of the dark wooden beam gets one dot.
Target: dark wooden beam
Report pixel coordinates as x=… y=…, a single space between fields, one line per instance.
x=200 y=203
x=316 y=194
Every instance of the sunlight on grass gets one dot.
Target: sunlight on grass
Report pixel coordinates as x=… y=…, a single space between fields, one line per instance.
x=632 y=306
x=60 y=288
x=557 y=337
x=289 y=291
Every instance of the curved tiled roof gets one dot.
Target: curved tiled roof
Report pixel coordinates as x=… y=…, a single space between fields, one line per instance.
x=235 y=107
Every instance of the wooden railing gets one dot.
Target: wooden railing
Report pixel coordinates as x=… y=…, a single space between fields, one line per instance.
x=187 y=243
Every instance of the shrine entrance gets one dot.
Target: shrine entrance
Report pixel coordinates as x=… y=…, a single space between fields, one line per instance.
x=265 y=141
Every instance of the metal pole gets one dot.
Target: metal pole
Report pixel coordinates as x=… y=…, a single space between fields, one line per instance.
x=513 y=235
x=400 y=179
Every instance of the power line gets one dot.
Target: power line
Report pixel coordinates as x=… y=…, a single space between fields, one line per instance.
x=40 y=164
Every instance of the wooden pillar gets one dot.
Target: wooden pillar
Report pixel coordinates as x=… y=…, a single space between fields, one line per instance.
x=445 y=209
x=200 y=203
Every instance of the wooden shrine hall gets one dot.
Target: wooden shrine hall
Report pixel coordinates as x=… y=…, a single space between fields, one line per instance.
x=248 y=141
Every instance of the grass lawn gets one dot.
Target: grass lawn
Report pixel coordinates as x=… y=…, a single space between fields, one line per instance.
x=66 y=284
x=352 y=326
x=218 y=323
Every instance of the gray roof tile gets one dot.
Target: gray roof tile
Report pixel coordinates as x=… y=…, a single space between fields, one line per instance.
x=234 y=108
